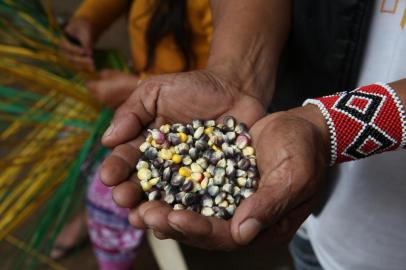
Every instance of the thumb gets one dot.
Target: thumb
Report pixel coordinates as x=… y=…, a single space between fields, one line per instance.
x=262 y=209
x=137 y=112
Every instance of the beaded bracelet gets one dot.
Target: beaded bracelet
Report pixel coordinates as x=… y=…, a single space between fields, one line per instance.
x=363 y=122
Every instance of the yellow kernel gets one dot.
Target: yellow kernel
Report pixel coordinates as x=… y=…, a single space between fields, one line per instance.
x=248 y=151
x=153 y=143
x=215 y=148
x=207 y=174
x=165 y=154
x=146 y=186
x=177 y=158
x=223 y=204
x=154 y=181
x=182 y=137
x=185 y=172
x=144 y=146
x=208 y=130
x=144 y=174
x=165 y=128
x=149 y=139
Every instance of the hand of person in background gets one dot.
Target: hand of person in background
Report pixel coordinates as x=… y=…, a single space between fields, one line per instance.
x=113 y=87
x=79 y=30
x=292 y=154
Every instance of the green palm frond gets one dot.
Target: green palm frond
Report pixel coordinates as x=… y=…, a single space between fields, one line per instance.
x=49 y=132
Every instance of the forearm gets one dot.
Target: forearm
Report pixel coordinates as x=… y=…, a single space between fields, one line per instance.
x=247 y=42
x=101 y=13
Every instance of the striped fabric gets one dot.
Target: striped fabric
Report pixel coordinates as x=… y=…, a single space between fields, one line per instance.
x=114 y=240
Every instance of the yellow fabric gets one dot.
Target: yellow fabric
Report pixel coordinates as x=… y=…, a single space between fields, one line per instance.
x=102 y=13
x=168 y=58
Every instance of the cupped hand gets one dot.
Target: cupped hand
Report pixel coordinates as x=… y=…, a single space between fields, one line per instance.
x=81 y=30
x=291 y=152
x=113 y=87
x=292 y=155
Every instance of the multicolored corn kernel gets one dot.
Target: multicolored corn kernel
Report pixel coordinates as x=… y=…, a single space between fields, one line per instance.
x=146 y=186
x=176 y=159
x=183 y=137
x=144 y=174
x=185 y=172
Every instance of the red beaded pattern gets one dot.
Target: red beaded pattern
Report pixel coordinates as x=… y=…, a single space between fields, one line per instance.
x=363 y=122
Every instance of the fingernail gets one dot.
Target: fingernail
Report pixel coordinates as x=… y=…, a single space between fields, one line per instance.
x=160 y=236
x=176 y=227
x=248 y=230
x=108 y=131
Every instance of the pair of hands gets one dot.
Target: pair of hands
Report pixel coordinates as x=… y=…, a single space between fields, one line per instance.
x=291 y=157
x=291 y=150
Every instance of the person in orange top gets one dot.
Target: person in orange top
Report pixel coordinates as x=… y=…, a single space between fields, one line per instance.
x=166 y=37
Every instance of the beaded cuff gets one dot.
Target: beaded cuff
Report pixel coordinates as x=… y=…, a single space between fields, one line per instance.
x=363 y=122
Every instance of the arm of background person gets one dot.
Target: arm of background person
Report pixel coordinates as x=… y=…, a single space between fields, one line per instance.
x=86 y=25
x=101 y=13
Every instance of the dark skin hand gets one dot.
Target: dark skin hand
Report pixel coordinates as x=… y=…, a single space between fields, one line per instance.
x=80 y=55
x=87 y=28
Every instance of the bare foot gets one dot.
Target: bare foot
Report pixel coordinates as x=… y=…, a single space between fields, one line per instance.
x=71 y=236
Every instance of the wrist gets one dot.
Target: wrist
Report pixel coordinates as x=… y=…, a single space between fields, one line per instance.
x=312 y=115
x=244 y=77
x=83 y=24
x=366 y=121
x=248 y=48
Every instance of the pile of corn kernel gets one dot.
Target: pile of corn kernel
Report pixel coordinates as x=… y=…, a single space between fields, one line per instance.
x=205 y=167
